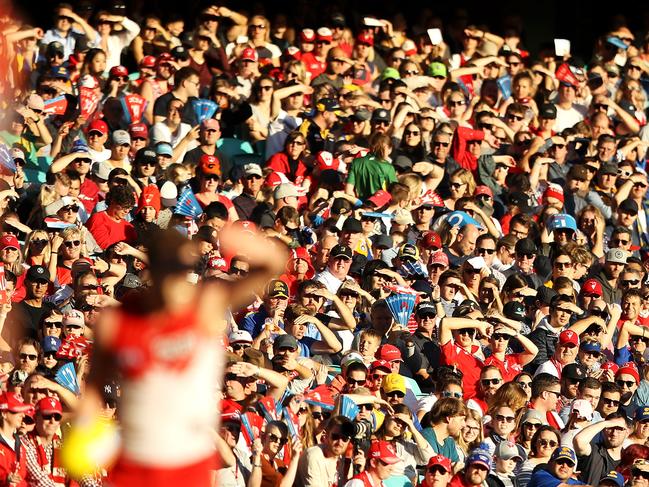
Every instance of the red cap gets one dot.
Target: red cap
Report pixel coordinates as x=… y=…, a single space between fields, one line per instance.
x=441 y=461
x=325 y=160
x=631 y=369
x=384 y=451
x=439 y=258
x=381 y=364
x=389 y=353
x=49 y=405
x=554 y=191
x=592 y=286
x=365 y=38
x=9 y=240
x=482 y=189
x=164 y=58
x=612 y=366
x=431 y=240
x=324 y=34
x=150 y=196
x=210 y=165
x=380 y=198
x=292 y=52
x=568 y=336
x=217 y=263
x=307 y=35
x=148 y=62
x=12 y=402
x=409 y=48
x=98 y=126
x=116 y=71
x=249 y=54
x=138 y=130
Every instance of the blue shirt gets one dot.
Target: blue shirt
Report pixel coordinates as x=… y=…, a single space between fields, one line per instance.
x=448 y=448
x=543 y=478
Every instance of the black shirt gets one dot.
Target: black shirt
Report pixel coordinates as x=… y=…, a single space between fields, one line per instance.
x=162 y=102
x=594 y=466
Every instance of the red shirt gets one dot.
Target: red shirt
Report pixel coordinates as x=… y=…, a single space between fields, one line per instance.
x=89 y=194
x=510 y=368
x=8 y=463
x=279 y=163
x=459 y=149
x=107 y=231
x=313 y=66
x=468 y=363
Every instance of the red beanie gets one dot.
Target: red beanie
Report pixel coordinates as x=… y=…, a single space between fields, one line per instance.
x=150 y=196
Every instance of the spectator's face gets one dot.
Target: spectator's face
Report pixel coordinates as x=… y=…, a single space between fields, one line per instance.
x=614 y=437
x=28 y=358
x=340 y=266
x=37 y=289
x=562 y=266
x=620 y=241
x=613 y=269
x=63 y=23
x=456 y=105
x=504 y=421
x=368 y=346
x=13 y=420
x=450 y=287
x=47 y=424
x=310 y=300
x=627 y=383
x=120 y=151
x=514 y=66
x=639 y=478
x=96 y=139
x=273 y=440
x=562 y=468
x=625 y=218
x=608 y=403
x=490 y=382
x=192 y=85
x=567 y=93
x=515 y=120
x=336 y=442
x=639 y=189
x=476 y=474
x=522 y=88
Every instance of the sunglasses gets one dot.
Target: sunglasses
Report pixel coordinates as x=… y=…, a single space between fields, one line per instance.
x=630 y=282
x=40 y=241
x=627 y=383
x=546 y=443
x=398 y=394
x=54 y=416
x=28 y=356
x=49 y=355
x=210 y=177
x=411 y=132
x=441 y=144
x=321 y=416
x=486 y=251
x=639 y=185
x=53 y=324
x=456 y=395
x=303 y=410
x=562 y=265
x=276 y=439
x=28 y=420
x=505 y=419
x=72 y=243
x=516 y=118
x=611 y=402
x=466 y=331
x=366 y=407
x=524 y=384
x=619 y=241
x=531 y=426
x=354 y=382
x=340 y=437
x=437 y=470
x=70 y=208
x=636 y=472
x=500 y=336
x=488 y=382
x=240 y=346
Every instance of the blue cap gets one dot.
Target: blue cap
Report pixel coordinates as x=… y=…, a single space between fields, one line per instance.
x=479 y=456
x=590 y=346
x=615 y=477
x=641 y=413
x=164 y=149
x=617 y=42
x=564 y=453
x=79 y=146
x=60 y=72
x=50 y=344
x=562 y=220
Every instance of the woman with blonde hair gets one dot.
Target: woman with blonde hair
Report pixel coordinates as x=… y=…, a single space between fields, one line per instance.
x=510 y=394
x=67 y=247
x=461 y=184
x=49 y=193
x=414 y=183
x=472 y=434
x=259 y=36
x=37 y=249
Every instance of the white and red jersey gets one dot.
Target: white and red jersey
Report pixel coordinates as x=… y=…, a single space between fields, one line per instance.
x=169 y=407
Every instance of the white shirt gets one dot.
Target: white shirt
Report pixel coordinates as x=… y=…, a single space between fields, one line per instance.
x=117 y=42
x=568 y=118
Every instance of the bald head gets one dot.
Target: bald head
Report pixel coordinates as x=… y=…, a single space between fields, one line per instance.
x=466 y=239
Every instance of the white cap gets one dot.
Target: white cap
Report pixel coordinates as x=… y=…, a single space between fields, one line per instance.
x=239 y=336
x=168 y=194
x=285 y=190
x=74 y=317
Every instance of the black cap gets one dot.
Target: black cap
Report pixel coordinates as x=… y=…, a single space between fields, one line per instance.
x=525 y=246
x=359 y=261
x=338 y=20
x=628 y=206
x=608 y=168
x=54 y=47
x=548 y=110
x=514 y=311
x=341 y=251
x=327 y=105
x=382 y=241
x=521 y=200
x=426 y=308
x=145 y=155
x=180 y=53
x=352 y=225
x=38 y=273
x=574 y=371
x=362 y=115
x=381 y=115
x=545 y=294
x=465 y=307
x=277 y=289
x=285 y=341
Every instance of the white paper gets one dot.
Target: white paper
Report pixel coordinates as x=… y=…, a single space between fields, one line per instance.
x=242 y=39
x=372 y=22
x=562 y=47
x=435 y=36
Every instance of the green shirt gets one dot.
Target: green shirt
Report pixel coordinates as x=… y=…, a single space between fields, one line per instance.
x=369 y=174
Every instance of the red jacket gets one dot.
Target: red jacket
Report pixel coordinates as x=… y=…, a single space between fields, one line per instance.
x=459 y=149
x=10 y=462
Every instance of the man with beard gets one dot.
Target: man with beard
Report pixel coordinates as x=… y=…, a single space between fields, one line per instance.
x=628 y=378
x=319 y=465
x=475 y=472
x=600 y=453
x=558 y=472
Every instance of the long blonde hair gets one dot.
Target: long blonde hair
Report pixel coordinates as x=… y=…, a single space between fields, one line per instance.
x=47 y=250
x=467 y=447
